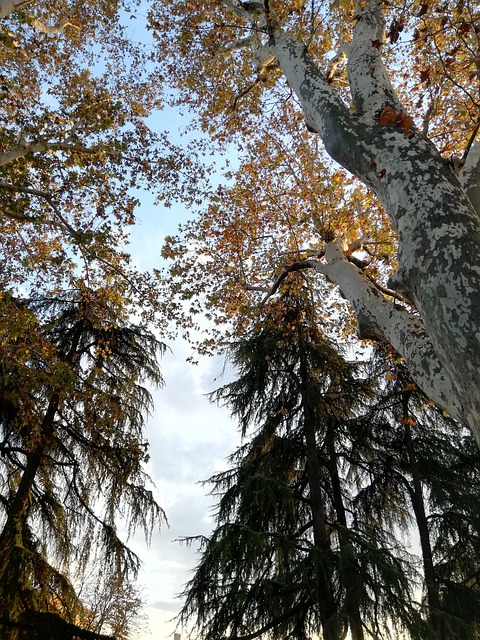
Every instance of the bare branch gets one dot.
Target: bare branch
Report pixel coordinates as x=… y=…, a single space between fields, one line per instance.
x=469 y=175
x=51 y=29
x=238 y=45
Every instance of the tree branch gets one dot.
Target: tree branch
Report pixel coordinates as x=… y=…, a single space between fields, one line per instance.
x=50 y=29
x=276 y=621
x=469 y=176
x=369 y=83
x=10 y=6
x=382 y=319
x=41 y=147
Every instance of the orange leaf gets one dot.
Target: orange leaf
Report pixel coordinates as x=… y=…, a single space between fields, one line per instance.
x=388 y=116
x=406 y=122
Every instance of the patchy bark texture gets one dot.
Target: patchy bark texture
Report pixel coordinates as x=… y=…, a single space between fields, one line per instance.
x=434 y=212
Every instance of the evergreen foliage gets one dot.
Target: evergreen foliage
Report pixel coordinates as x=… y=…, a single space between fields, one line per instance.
x=296 y=553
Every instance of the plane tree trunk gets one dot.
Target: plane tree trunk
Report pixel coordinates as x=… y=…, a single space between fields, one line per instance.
x=432 y=210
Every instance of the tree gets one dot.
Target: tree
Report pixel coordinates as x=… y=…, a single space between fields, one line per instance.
x=74 y=145
x=319 y=507
x=365 y=121
x=72 y=448
x=76 y=148
x=114 y=604
x=437 y=466
x=289 y=556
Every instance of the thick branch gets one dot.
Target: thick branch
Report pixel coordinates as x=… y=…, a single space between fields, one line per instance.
x=22 y=150
x=470 y=176
x=41 y=147
x=324 y=110
x=381 y=319
x=10 y=6
x=369 y=83
x=50 y=29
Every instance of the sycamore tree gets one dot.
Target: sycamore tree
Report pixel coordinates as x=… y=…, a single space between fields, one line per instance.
x=353 y=126
x=76 y=147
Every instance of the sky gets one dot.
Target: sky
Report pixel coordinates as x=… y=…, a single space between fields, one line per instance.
x=190 y=438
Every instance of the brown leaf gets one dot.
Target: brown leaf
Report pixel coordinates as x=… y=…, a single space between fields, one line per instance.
x=388 y=116
x=423 y=10
x=395 y=29
x=424 y=75
x=465 y=27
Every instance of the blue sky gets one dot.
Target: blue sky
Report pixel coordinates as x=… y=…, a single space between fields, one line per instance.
x=190 y=440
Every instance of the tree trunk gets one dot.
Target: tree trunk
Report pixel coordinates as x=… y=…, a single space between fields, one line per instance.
x=325 y=597
x=351 y=597
x=11 y=537
x=418 y=505
x=437 y=224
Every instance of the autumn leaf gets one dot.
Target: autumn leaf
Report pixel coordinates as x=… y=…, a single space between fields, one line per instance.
x=423 y=10
x=388 y=116
x=424 y=75
x=395 y=30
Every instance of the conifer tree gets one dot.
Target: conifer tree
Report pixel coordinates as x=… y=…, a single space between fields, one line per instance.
x=439 y=479
x=288 y=555
x=337 y=476
x=73 y=407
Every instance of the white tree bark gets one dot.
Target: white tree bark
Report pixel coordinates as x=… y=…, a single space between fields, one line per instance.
x=382 y=319
x=434 y=215
x=369 y=84
x=10 y=6
x=470 y=177
x=21 y=151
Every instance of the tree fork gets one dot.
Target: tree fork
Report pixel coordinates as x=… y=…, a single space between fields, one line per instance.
x=437 y=225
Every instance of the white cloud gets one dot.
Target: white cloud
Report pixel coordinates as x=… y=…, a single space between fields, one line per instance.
x=190 y=439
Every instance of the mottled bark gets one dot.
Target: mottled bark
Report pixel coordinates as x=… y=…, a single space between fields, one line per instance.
x=10 y=6
x=383 y=319
x=469 y=177
x=435 y=217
